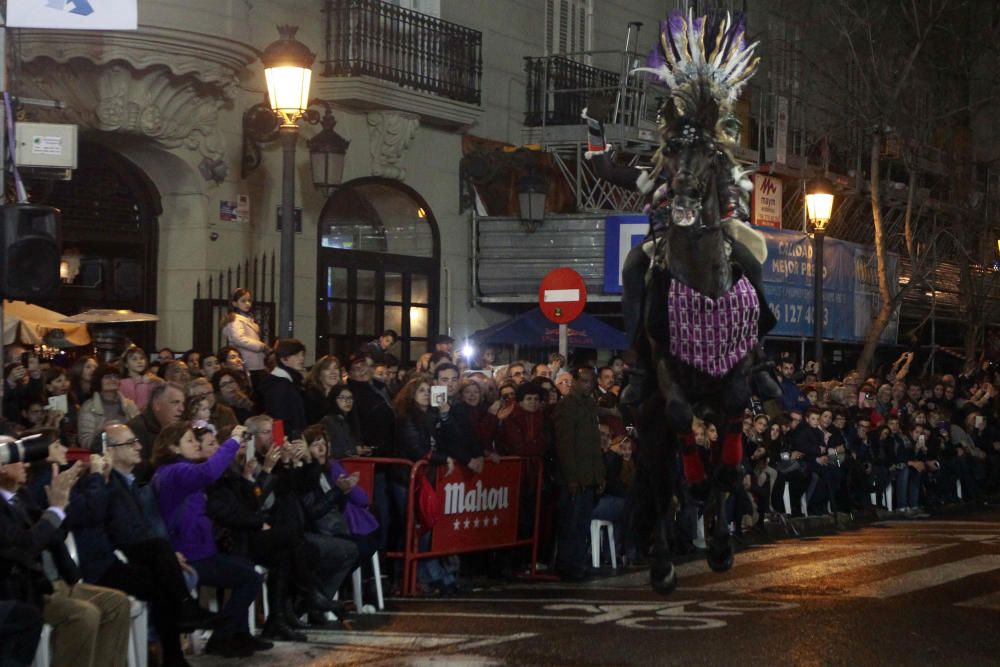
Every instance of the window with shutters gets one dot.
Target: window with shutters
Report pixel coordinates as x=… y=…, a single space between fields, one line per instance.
x=568 y=27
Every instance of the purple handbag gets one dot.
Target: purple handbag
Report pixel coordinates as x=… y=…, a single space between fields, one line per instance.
x=360 y=520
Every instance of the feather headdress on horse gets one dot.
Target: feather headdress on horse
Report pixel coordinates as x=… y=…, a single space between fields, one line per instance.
x=682 y=61
x=706 y=64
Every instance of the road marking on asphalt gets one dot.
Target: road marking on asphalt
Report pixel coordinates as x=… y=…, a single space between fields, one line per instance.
x=640 y=578
x=500 y=640
x=991 y=601
x=754 y=555
x=964 y=537
x=670 y=614
x=819 y=569
x=900 y=584
x=385 y=639
x=918 y=523
x=471 y=614
x=395 y=648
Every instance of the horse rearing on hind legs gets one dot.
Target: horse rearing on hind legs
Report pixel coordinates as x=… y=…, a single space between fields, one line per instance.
x=693 y=298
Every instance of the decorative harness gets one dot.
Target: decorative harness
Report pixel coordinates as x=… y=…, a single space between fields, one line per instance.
x=712 y=335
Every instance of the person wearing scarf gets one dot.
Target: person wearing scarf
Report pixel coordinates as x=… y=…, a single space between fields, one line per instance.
x=282 y=394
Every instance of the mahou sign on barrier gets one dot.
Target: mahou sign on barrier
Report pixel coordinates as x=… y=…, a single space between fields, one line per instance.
x=477 y=511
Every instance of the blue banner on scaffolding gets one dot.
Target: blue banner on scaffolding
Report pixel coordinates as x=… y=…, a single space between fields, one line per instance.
x=850 y=281
x=850 y=286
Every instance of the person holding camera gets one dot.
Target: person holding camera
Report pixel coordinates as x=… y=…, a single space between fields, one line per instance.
x=250 y=507
x=423 y=427
x=182 y=476
x=90 y=623
x=22 y=381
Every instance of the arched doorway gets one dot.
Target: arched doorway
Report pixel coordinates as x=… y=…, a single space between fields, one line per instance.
x=379 y=259
x=109 y=233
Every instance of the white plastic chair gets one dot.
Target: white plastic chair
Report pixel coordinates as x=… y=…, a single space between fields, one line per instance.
x=699 y=541
x=43 y=654
x=357 y=587
x=138 y=641
x=788 y=502
x=138 y=651
x=595 y=542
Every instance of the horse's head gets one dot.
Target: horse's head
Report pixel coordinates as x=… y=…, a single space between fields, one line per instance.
x=690 y=160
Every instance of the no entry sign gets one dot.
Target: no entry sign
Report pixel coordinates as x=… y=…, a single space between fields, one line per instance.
x=562 y=295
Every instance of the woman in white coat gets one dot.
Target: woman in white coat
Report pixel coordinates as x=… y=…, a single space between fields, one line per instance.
x=241 y=330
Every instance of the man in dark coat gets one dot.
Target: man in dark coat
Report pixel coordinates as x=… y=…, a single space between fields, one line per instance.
x=282 y=394
x=166 y=407
x=90 y=624
x=580 y=466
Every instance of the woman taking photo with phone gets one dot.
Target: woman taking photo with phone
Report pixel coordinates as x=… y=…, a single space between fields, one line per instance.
x=181 y=479
x=423 y=432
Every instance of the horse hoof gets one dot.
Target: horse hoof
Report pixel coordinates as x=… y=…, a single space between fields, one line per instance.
x=720 y=561
x=663 y=578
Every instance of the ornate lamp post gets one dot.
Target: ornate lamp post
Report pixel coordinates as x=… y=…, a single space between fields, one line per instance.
x=819 y=208
x=288 y=70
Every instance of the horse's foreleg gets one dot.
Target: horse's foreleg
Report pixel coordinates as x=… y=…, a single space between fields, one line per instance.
x=655 y=454
x=726 y=455
x=662 y=575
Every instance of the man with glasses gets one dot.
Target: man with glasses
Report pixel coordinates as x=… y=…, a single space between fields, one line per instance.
x=516 y=373
x=123 y=515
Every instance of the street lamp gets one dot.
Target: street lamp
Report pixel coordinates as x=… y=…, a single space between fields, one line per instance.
x=532 y=190
x=531 y=196
x=288 y=70
x=326 y=154
x=819 y=208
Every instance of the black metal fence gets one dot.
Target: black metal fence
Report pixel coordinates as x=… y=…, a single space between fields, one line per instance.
x=258 y=275
x=415 y=50
x=558 y=87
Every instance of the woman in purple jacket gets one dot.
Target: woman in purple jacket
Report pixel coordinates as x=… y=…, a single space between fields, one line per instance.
x=182 y=475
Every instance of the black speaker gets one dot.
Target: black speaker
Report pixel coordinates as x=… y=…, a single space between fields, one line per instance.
x=30 y=252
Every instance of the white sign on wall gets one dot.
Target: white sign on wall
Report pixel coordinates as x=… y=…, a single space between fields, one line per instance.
x=781 y=132
x=766 y=200
x=73 y=14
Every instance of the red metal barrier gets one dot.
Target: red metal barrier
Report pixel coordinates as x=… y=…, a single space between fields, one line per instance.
x=477 y=512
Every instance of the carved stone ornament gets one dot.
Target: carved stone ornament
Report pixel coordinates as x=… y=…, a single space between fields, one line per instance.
x=390 y=134
x=158 y=84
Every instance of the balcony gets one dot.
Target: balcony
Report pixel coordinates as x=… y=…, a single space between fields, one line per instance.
x=559 y=88
x=383 y=57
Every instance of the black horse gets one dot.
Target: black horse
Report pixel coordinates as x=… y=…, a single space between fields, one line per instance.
x=701 y=322
x=693 y=299
x=694 y=302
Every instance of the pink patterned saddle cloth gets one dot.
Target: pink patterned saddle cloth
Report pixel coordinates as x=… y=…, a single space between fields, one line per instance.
x=712 y=335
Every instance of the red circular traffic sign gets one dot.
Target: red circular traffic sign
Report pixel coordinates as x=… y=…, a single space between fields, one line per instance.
x=562 y=295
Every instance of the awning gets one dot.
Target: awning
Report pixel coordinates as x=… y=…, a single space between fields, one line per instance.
x=535 y=330
x=29 y=325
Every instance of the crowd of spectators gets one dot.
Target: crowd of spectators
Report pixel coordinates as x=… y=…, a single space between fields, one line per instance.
x=224 y=469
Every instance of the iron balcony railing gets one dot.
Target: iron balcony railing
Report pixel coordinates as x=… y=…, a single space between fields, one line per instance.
x=415 y=50
x=558 y=89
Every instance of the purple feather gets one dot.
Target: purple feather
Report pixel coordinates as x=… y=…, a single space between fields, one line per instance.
x=699 y=25
x=675 y=32
x=656 y=59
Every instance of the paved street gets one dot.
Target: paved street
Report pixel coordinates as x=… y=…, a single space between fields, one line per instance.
x=895 y=592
